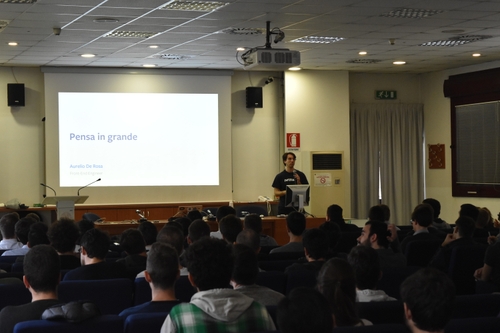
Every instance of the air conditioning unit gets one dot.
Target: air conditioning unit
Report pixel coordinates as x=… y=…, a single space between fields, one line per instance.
x=270 y=59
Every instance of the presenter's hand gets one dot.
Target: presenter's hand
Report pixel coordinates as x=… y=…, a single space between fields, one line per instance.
x=297 y=178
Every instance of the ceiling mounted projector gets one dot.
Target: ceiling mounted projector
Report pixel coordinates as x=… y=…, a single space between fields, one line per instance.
x=267 y=58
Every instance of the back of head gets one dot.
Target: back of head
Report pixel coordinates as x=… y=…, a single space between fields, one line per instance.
x=249 y=238
x=436 y=206
x=173 y=236
x=296 y=223
x=465 y=226
x=337 y=283
x=63 y=235
x=230 y=226
x=132 y=242
x=430 y=296
x=365 y=262
x=162 y=265
x=84 y=225
x=380 y=229
x=184 y=224
x=246 y=267
x=304 y=310
x=470 y=211
x=96 y=243
x=22 y=229
x=7 y=225
x=198 y=229
x=224 y=211
x=334 y=213
x=316 y=243
x=376 y=213
x=423 y=214
x=38 y=234
x=332 y=232
x=387 y=212
x=194 y=214
x=483 y=218
x=253 y=222
x=34 y=216
x=148 y=231
x=210 y=263
x=42 y=268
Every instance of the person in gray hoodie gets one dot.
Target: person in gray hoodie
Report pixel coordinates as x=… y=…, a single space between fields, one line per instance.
x=215 y=308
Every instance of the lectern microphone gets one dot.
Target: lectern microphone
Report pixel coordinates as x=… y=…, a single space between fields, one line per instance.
x=81 y=188
x=55 y=194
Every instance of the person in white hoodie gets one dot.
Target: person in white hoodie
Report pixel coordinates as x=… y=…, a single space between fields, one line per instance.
x=215 y=308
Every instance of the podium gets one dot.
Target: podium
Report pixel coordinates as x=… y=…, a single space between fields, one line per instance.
x=65 y=205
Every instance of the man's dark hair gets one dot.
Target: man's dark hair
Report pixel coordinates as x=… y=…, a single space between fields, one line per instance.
x=465 y=226
x=249 y=238
x=380 y=229
x=38 y=234
x=253 y=222
x=423 y=214
x=22 y=229
x=334 y=213
x=304 y=310
x=430 y=296
x=63 y=235
x=436 y=206
x=365 y=262
x=333 y=234
x=42 y=268
x=198 y=229
x=96 y=242
x=224 y=211
x=296 y=223
x=183 y=223
x=246 y=266
x=376 y=213
x=194 y=214
x=162 y=265
x=210 y=263
x=173 y=236
x=230 y=226
x=387 y=212
x=316 y=243
x=132 y=242
x=84 y=225
x=7 y=225
x=148 y=231
x=285 y=156
x=470 y=211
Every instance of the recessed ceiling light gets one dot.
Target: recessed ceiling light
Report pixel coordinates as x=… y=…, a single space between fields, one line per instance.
x=294 y=69
x=106 y=20
x=363 y=61
x=88 y=55
x=149 y=65
x=153 y=46
x=317 y=40
x=412 y=13
x=363 y=53
x=476 y=54
x=399 y=62
x=18 y=1
x=12 y=43
x=242 y=31
x=197 y=6
x=240 y=48
x=457 y=40
x=130 y=34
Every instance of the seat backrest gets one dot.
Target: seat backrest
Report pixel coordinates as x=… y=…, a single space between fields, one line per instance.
x=17 y=266
x=111 y=296
x=387 y=312
x=276 y=265
x=144 y=322
x=14 y=294
x=466 y=325
x=347 y=241
x=463 y=263
x=420 y=252
x=382 y=328
x=101 y=324
x=393 y=277
x=274 y=280
x=300 y=278
x=476 y=306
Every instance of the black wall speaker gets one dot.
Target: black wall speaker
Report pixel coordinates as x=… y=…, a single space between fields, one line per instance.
x=15 y=94
x=254 y=97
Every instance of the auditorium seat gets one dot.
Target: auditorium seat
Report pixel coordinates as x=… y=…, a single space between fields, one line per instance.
x=183 y=290
x=285 y=256
x=13 y=294
x=467 y=325
x=305 y=278
x=476 y=306
x=276 y=265
x=388 y=312
x=392 y=277
x=486 y=287
x=144 y=322
x=347 y=241
x=17 y=266
x=111 y=296
x=463 y=263
x=382 y=328
x=101 y=324
x=420 y=252
x=274 y=280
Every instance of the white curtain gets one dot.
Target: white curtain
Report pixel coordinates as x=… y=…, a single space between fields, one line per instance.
x=387 y=148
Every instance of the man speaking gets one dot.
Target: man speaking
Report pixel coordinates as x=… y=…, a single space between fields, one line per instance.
x=289 y=176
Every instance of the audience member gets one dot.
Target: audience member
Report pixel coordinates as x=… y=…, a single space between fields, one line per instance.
x=428 y=297
x=22 y=230
x=41 y=277
x=315 y=250
x=387 y=213
x=484 y=218
x=162 y=271
x=295 y=226
x=244 y=278
x=365 y=263
x=172 y=235
x=94 y=247
x=249 y=238
x=149 y=232
x=491 y=269
x=222 y=212
x=421 y=219
x=134 y=246
x=305 y=310
x=333 y=234
x=7 y=228
x=63 y=235
x=197 y=230
x=436 y=221
x=84 y=225
x=375 y=234
x=214 y=307
x=230 y=226
x=376 y=213
x=469 y=210
x=254 y=222
x=334 y=214
x=194 y=214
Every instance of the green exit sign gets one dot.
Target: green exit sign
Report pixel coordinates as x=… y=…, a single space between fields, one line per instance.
x=386 y=94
